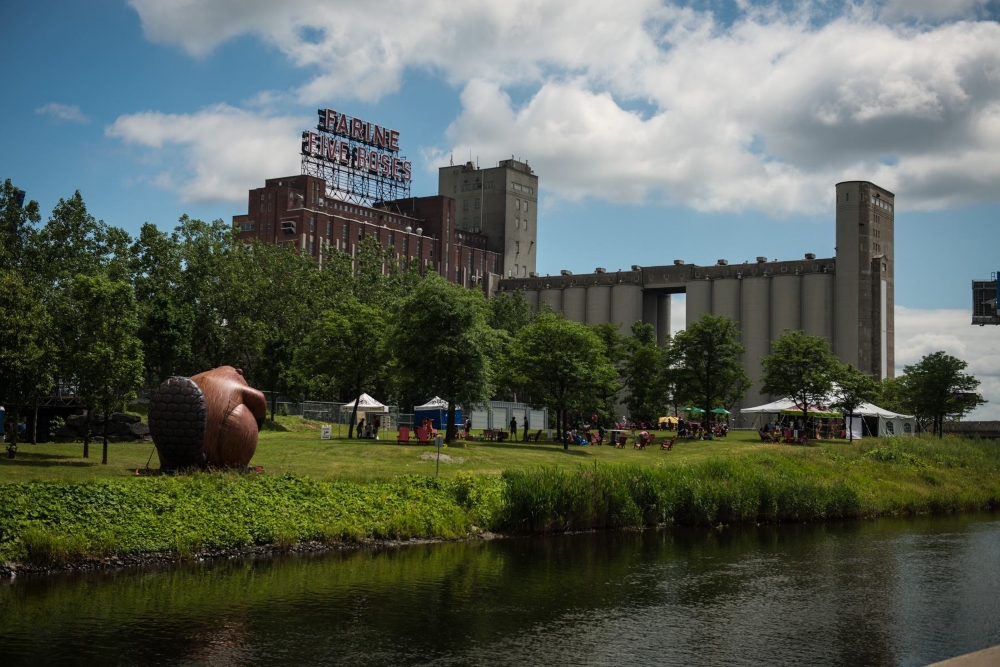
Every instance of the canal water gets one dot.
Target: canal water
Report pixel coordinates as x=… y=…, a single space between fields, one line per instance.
x=887 y=592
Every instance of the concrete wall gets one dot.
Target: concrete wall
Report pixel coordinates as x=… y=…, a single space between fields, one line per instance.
x=626 y=306
x=574 y=305
x=699 y=300
x=817 y=305
x=755 y=319
x=598 y=304
x=786 y=300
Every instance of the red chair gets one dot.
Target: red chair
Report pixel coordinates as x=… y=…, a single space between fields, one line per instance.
x=622 y=441
x=669 y=444
x=404 y=435
x=423 y=436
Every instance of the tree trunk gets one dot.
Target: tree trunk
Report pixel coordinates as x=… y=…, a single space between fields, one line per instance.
x=274 y=403
x=34 y=424
x=104 y=453
x=12 y=445
x=451 y=422
x=354 y=412
x=86 y=434
x=562 y=430
x=850 y=427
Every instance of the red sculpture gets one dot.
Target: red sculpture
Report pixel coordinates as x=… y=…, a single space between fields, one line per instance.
x=211 y=419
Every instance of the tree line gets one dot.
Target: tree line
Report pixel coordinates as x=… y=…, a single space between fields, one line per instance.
x=88 y=308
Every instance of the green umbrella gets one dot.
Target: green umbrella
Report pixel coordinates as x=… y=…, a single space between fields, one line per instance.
x=720 y=411
x=695 y=410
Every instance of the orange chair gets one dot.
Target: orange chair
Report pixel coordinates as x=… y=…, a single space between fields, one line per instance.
x=404 y=435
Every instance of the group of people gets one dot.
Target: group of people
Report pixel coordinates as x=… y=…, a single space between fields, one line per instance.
x=697 y=431
x=369 y=430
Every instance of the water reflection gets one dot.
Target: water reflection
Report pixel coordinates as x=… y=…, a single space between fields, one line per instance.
x=864 y=593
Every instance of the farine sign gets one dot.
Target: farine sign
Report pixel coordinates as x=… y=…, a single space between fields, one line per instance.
x=356 y=144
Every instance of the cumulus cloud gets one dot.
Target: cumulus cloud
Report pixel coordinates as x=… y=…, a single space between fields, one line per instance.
x=62 y=112
x=647 y=100
x=224 y=150
x=920 y=332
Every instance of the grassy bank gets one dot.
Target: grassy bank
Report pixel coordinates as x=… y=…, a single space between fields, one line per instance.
x=54 y=522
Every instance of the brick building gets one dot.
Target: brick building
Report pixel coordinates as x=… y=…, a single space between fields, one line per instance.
x=296 y=212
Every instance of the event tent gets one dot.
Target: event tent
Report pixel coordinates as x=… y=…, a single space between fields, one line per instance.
x=366 y=404
x=436 y=410
x=886 y=422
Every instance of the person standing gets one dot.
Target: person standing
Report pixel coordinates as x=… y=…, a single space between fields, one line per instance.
x=376 y=423
x=361 y=427
x=513 y=428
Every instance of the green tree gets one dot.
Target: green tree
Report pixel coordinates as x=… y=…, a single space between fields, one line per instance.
x=852 y=389
x=349 y=345
x=109 y=355
x=442 y=342
x=565 y=364
x=26 y=350
x=800 y=367
x=892 y=395
x=165 y=322
x=705 y=364
x=938 y=389
x=17 y=229
x=616 y=352
x=643 y=374
x=508 y=313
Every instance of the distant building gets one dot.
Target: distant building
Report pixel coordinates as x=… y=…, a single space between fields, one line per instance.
x=847 y=299
x=501 y=203
x=296 y=211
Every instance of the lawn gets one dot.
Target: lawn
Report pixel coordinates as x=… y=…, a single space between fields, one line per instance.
x=294 y=445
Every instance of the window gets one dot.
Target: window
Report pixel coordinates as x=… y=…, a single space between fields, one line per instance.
x=343 y=231
x=405 y=239
x=262 y=196
x=525 y=205
x=517 y=204
x=269 y=206
x=525 y=224
x=262 y=206
x=516 y=271
x=465 y=205
x=524 y=270
x=328 y=228
x=470 y=262
x=517 y=247
x=392 y=237
x=419 y=243
x=247 y=227
x=517 y=223
x=312 y=248
x=477 y=203
x=312 y=223
x=361 y=233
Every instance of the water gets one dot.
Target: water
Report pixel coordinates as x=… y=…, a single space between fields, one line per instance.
x=891 y=592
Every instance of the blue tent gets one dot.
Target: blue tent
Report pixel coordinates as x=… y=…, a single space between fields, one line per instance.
x=436 y=410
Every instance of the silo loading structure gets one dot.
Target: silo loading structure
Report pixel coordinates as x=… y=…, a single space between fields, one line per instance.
x=662 y=318
x=755 y=321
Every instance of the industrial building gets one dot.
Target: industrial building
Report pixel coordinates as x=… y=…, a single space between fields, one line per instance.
x=847 y=299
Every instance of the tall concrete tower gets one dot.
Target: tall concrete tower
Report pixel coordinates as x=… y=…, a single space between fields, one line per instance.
x=500 y=202
x=865 y=292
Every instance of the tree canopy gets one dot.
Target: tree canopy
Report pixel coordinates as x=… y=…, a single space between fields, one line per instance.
x=800 y=367
x=853 y=388
x=705 y=364
x=937 y=389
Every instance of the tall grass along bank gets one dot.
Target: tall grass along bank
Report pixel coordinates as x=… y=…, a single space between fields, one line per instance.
x=49 y=524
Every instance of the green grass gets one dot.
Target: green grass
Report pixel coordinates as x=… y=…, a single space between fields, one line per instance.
x=292 y=445
x=56 y=507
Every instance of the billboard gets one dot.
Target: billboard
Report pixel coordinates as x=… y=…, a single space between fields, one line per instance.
x=984 y=301
x=358 y=159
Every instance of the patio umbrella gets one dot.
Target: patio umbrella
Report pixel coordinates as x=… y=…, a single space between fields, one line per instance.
x=695 y=410
x=720 y=411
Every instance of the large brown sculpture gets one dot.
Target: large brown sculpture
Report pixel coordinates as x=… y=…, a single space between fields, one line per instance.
x=211 y=419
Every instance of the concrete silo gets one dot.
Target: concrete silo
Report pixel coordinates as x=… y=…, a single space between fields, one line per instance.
x=598 y=304
x=531 y=296
x=726 y=298
x=755 y=321
x=553 y=297
x=786 y=308
x=626 y=306
x=662 y=318
x=699 y=300
x=574 y=304
x=817 y=305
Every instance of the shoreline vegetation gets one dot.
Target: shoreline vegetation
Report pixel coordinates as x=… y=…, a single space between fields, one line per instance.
x=115 y=521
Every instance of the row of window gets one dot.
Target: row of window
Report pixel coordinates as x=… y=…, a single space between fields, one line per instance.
x=523 y=188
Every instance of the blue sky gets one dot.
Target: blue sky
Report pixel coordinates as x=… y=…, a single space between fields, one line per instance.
x=698 y=130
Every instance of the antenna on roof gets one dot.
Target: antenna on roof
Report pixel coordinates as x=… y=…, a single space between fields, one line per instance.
x=451 y=159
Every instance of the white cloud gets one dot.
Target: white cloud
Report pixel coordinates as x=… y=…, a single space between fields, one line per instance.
x=765 y=113
x=62 y=112
x=225 y=150
x=921 y=332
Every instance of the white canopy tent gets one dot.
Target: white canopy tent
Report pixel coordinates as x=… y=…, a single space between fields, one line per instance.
x=888 y=422
x=433 y=404
x=365 y=403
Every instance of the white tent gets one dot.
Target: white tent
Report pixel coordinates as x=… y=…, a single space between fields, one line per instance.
x=365 y=403
x=889 y=422
x=433 y=404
